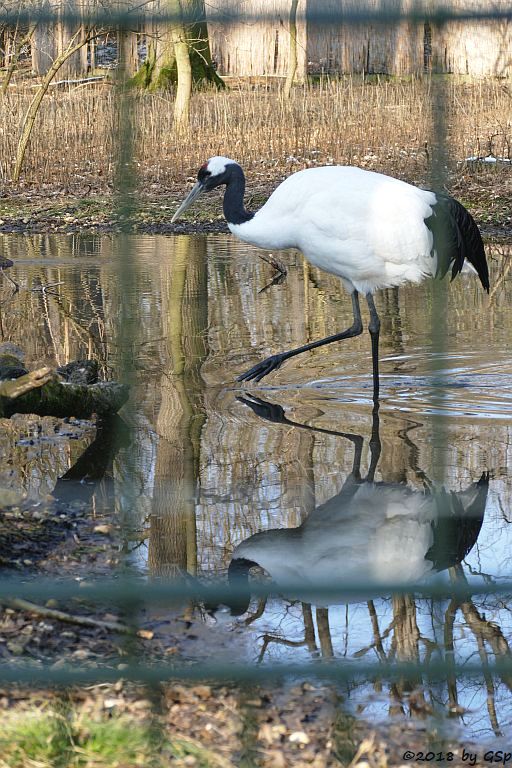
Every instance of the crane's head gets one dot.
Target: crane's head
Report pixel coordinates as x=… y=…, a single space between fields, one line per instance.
x=212 y=174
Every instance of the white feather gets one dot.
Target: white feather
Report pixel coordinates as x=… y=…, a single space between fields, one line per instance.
x=370 y=237
x=374 y=534
x=217 y=165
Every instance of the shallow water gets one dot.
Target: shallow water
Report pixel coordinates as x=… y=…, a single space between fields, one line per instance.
x=209 y=465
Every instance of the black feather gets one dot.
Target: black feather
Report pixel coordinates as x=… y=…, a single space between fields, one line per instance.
x=456 y=238
x=457 y=528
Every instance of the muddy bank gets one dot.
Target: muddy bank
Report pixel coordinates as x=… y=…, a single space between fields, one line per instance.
x=487 y=196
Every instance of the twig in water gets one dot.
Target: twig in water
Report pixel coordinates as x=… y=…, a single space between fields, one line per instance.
x=69 y=618
x=276 y=263
x=13 y=282
x=281 y=271
x=45 y=288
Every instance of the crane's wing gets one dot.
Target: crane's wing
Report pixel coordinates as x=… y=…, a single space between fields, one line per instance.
x=456 y=238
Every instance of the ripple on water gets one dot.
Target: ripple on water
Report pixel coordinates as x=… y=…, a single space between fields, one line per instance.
x=465 y=386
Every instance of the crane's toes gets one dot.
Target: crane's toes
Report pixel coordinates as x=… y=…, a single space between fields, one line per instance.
x=258 y=371
x=264 y=409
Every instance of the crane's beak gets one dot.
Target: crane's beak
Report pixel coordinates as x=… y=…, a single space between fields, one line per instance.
x=194 y=192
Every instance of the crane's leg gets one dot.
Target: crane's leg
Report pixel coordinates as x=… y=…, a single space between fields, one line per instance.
x=374 y=328
x=274 y=361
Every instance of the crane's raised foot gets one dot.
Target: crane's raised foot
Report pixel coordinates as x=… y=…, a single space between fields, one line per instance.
x=258 y=371
x=265 y=410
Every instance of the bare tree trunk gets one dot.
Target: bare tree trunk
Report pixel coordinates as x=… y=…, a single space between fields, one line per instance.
x=184 y=71
x=52 y=39
x=199 y=46
x=44 y=44
x=161 y=68
x=127 y=47
x=84 y=55
x=65 y=34
x=324 y=633
x=292 y=61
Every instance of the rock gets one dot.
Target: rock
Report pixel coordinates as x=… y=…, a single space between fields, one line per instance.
x=17 y=649
x=80 y=372
x=299 y=737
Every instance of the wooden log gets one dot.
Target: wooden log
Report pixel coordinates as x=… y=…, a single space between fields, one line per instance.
x=14 y=388
x=56 y=398
x=44 y=393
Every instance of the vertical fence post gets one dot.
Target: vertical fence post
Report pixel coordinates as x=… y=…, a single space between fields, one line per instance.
x=125 y=187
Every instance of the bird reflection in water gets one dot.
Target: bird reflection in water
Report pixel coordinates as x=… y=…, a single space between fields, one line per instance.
x=375 y=533
x=372 y=533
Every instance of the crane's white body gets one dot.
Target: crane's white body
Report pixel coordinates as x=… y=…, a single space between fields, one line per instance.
x=370 y=230
x=365 y=227
x=381 y=534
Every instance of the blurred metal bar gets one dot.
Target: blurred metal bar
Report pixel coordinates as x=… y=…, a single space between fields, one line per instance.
x=111 y=590
x=115 y=19
x=333 y=671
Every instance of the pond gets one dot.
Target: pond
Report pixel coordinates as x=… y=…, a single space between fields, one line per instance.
x=420 y=488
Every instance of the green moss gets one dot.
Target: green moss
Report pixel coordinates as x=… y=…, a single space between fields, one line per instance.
x=166 y=78
x=142 y=78
x=204 y=74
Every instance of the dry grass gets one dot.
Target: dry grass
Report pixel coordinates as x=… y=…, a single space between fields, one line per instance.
x=385 y=125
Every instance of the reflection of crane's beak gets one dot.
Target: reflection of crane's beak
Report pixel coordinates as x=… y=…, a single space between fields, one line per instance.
x=194 y=192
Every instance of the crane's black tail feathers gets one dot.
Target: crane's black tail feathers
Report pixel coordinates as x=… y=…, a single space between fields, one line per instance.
x=457 y=528
x=456 y=238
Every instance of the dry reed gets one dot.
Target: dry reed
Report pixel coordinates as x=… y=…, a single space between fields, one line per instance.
x=385 y=125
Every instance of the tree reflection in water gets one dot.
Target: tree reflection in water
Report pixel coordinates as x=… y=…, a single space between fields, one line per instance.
x=374 y=533
x=209 y=474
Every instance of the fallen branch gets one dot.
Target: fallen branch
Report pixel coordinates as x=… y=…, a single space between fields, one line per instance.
x=44 y=393
x=23 y=384
x=70 y=618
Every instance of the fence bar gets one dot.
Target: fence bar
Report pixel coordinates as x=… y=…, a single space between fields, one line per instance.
x=124 y=589
x=332 y=671
x=116 y=19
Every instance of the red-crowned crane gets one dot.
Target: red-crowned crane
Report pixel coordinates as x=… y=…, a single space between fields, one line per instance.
x=371 y=532
x=371 y=230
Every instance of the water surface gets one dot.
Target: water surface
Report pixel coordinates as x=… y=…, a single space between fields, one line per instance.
x=209 y=465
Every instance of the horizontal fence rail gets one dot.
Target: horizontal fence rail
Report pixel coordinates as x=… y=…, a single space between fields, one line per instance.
x=331 y=671
x=126 y=591
x=360 y=15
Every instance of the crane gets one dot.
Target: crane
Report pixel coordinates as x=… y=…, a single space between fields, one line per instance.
x=371 y=230
x=371 y=533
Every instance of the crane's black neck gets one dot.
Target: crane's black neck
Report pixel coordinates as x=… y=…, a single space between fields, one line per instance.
x=233 y=204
